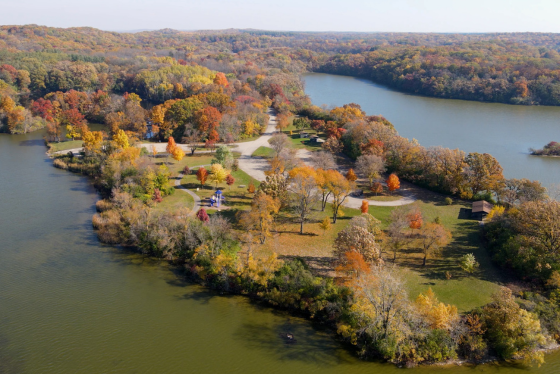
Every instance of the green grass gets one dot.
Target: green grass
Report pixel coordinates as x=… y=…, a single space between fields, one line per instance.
x=188 y=160
x=179 y=199
x=64 y=145
x=463 y=290
x=264 y=152
x=306 y=143
x=237 y=198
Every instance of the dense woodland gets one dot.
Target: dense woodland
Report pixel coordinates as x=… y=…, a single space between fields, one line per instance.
x=204 y=88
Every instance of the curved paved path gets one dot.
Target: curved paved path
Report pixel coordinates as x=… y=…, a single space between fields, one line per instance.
x=197 y=200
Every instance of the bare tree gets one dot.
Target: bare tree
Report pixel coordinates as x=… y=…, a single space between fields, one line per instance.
x=304 y=194
x=192 y=138
x=398 y=238
x=370 y=166
x=279 y=142
x=323 y=160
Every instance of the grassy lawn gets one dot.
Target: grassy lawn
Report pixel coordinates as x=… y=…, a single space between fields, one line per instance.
x=188 y=160
x=179 y=199
x=463 y=290
x=264 y=152
x=65 y=145
x=237 y=198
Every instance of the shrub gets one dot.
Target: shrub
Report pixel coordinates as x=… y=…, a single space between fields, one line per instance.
x=103 y=205
x=58 y=163
x=448 y=201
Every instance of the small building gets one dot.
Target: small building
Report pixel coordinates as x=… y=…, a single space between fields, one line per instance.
x=316 y=139
x=304 y=134
x=480 y=209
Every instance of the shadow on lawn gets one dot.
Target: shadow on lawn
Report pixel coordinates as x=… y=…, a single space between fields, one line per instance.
x=468 y=241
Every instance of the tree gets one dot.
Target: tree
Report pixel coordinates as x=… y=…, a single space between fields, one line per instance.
x=437 y=314
x=323 y=160
x=301 y=123
x=230 y=180
x=512 y=331
x=202 y=175
x=157 y=196
x=468 y=263
x=539 y=227
x=279 y=142
x=339 y=188
x=376 y=188
x=357 y=239
x=333 y=145
x=223 y=156
x=351 y=176
x=365 y=206
x=221 y=79
x=370 y=166
x=251 y=188
x=483 y=173
x=393 y=182
x=325 y=225
x=432 y=238
x=282 y=121
x=398 y=238
x=92 y=142
x=276 y=186
x=321 y=179
x=178 y=153
x=202 y=216
x=121 y=139
x=415 y=219
x=171 y=145
x=304 y=194
x=193 y=139
x=218 y=174
x=381 y=312
x=261 y=215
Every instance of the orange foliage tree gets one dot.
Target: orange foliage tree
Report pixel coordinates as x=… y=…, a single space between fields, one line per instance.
x=221 y=80
x=365 y=206
x=415 y=219
x=202 y=175
x=351 y=176
x=393 y=182
x=171 y=145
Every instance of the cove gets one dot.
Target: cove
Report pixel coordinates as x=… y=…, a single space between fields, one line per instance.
x=505 y=131
x=69 y=304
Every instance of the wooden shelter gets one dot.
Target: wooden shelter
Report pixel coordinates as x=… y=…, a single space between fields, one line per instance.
x=480 y=209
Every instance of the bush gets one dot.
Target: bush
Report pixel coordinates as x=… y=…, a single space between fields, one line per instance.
x=103 y=205
x=448 y=201
x=58 y=163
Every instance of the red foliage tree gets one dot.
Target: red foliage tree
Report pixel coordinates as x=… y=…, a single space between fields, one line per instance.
x=157 y=196
x=202 y=215
x=202 y=175
x=230 y=180
x=43 y=108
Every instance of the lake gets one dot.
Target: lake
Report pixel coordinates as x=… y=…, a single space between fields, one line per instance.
x=505 y=131
x=69 y=304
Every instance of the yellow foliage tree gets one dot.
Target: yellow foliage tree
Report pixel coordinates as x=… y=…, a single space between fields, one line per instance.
x=92 y=141
x=438 y=315
x=178 y=154
x=218 y=174
x=121 y=139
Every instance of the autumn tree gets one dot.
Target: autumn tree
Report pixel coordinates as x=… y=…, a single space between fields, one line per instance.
x=433 y=237
x=202 y=175
x=371 y=167
x=92 y=142
x=393 y=182
x=202 y=216
x=120 y=139
x=323 y=160
x=354 y=265
x=261 y=216
x=437 y=314
x=415 y=219
x=468 y=263
x=218 y=174
x=279 y=142
x=171 y=145
x=282 y=121
x=221 y=79
x=230 y=180
x=304 y=193
x=365 y=206
x=251 y=187
x=483 y=173
x=351 y=176
x=223 y=156
x=511 y=330
x=178 y=153
x=339 y=189
x=325 y=225
x=333 y=145
x=358 y=239
x=398 y=238
x=376 y=188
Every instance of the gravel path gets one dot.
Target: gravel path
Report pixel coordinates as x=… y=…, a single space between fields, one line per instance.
x=197 y=201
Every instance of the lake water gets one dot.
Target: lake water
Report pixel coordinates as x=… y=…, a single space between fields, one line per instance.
x=505 y=131
x=71 y=305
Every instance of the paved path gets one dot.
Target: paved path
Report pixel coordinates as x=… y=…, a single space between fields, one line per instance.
x=255 y=166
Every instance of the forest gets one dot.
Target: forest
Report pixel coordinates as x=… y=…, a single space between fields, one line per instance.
x=111 y=93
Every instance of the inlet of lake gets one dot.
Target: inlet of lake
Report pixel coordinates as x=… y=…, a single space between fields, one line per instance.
x=504 y=131
x=69 y=304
